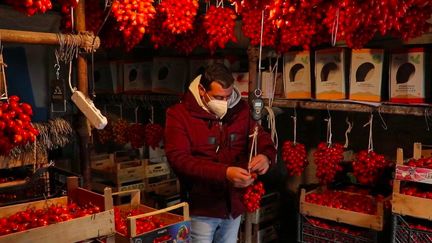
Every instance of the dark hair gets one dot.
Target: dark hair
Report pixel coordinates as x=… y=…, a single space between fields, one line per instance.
x=217 y=73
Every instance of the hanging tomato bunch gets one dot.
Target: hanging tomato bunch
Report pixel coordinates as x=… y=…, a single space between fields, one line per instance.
x=368 y=166
x=328 y=160
x=153 y=135
x=120 y=128
x=160 y=36
x=105 y=135
x=94 y=16
x=15 y=125
x=133 y=17
x=251 y=27
x=136 y=133
x=252 y=196
x=179 y=15
x=30 y=7
x=186 y=43
x=219 y=24
x=295 y=157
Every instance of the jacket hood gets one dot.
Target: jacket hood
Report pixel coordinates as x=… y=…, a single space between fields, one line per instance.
x=193 y=88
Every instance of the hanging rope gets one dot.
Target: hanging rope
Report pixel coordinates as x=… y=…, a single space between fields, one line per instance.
x=370 y=124
x=295 y=126
x=350 y=126
x=329 y=129
x=271 y=121
x=334 y=30
x=254 y=145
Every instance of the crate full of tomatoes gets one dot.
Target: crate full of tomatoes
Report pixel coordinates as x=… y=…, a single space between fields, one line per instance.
x=135 y=222
x=79 y=216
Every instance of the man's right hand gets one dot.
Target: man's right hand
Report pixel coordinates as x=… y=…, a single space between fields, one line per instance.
x=239 y=177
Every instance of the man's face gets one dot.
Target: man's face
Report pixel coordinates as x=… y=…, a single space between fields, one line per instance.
x=216 y=92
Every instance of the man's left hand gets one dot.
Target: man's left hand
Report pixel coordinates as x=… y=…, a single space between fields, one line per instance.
x=259 y=164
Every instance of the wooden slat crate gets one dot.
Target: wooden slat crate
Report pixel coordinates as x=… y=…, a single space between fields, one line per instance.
x=118 y=172
x=174 y=222
x=164 y=187
x=78 y=229
x=375 y=222
x=410 y=205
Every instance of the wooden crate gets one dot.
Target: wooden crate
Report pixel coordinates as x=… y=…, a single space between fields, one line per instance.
x=120 y=172
x=269 y=210
x=164 y=187
x=79 y=229
x=410 y=205
x=173 y=221
x=375 y=222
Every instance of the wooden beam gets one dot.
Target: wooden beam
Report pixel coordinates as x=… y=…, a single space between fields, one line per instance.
x=43 y=38
x=83 y=129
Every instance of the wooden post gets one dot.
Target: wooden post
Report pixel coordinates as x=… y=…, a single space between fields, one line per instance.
x=83 y=128
x=253 y=55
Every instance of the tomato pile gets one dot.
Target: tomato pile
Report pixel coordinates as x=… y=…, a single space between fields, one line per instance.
x=120 y=128
x=142 y=225
x=30 y=7
x=295 y=157
x=153 y=135
x=422 y=162
x=133 y=17
x=252 y=196
x=219 y=24
x=416 y=192
x=368 y=166
x=15 y=125
x=179 y=15
x=337 y=199
x=136 y=132
x=32 y=218
x=328 y=161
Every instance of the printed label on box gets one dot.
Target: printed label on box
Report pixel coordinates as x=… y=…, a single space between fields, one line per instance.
x=407 y=76
x=330 y=74
x=297 y=80
x=366 y=74
x=416 y=174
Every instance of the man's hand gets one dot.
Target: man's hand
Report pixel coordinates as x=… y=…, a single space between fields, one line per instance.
x=259 y=164
x=239 y=177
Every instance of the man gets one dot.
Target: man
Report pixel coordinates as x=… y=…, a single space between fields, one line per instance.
x=207 y=144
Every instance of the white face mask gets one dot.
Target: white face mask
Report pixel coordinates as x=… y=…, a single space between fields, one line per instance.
x=218 y=107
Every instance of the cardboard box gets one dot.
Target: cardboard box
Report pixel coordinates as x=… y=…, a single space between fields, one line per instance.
x=241 y=81
x=330 y=74
x=137 y=77
x=366 y=74
x=169 y=75
x=407 y=76
x=106 y=77
x=297 y=80
x=268 y=84
x=157 y=155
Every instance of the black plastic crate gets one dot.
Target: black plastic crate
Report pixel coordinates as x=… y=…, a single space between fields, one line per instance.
x=310 y=233
x=403 y=232
x=35 y=185
x=44 y=183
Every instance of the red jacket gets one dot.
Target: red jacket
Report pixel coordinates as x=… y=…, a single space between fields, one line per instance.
x=200 y=148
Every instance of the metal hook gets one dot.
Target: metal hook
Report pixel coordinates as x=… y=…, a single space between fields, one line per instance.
x=383 y=123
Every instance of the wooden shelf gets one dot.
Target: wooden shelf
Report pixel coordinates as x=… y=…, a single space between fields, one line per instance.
x=345 y=105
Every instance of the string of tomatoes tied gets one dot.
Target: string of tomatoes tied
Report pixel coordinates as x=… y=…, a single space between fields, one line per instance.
x=287 y=23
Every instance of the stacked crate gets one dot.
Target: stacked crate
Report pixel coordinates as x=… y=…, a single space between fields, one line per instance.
x=262 y=225
x=319 y=223
x=119 y=171
x=411 y=214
